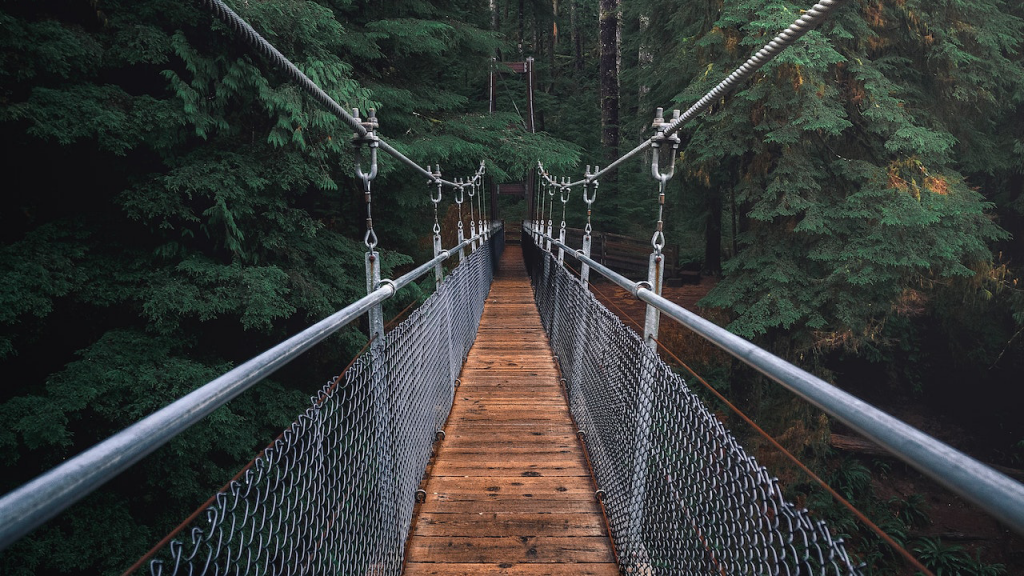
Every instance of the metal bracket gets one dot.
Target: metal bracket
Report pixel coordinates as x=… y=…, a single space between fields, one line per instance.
x=657 y=140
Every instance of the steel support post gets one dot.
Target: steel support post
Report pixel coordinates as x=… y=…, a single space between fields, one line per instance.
x=383 y=408
x=584 y=267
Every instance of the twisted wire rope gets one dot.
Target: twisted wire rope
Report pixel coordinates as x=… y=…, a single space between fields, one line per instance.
x=254 y=40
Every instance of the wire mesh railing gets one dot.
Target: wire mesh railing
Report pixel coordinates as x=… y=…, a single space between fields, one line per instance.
x=335 y=493
x=681 y=494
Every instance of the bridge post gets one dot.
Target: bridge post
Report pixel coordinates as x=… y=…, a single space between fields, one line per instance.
x=438 y=268
x=459 y=198
x=564 y=193
x=638 y=555
x=380 y=394
x=538 y=215
x=383 y=409
x=656 y=267
x=589 y=195
x=472 y=216
x=435 y=199
x=652 y=320
x=584 y=267
x=551 y=210
x=485 y=230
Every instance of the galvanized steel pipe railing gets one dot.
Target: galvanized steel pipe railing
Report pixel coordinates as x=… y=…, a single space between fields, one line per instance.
x=41 y=499
x=994 y=492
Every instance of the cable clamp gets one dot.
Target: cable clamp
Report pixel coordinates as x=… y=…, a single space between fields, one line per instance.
x=590 y=185
x=551 y=189
x=657 y=140
x=435 y=180
x=459 y=192
x=369 y=139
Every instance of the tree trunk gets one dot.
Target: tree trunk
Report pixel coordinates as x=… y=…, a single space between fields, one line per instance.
x=609 y=25
x=713 y=236
x=553 y=45
x=577 y=36
x=732 y=213
x=522 y=5
x=644 y=58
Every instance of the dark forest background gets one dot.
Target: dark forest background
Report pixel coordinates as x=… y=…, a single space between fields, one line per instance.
x=172 y=207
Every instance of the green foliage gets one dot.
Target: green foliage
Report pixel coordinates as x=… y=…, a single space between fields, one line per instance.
x=848 y=169
x=851 y=478
x=193 y=209
x=913 y=511
x=952 y=560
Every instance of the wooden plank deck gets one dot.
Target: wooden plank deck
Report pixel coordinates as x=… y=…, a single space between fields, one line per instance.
x=508 y=491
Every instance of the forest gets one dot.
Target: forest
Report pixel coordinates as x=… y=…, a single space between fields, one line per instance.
x=174 y=206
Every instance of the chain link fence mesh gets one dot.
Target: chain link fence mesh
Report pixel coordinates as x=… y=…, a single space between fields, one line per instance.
x=681 y=494
x=335 y=493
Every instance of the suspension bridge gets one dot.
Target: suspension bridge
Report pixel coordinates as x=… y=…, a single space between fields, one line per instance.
x=510 y=425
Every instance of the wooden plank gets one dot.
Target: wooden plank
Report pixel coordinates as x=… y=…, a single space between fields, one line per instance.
x=509 y=491
x=511 y=549
x=509 y=569
x=512 y=469
x=520 y=506
x=516 y=486
x=497 y=525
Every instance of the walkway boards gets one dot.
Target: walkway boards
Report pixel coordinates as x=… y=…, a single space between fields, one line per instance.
x=509 y=491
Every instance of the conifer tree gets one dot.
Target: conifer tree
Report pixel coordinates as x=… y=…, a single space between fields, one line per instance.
x=847 y=157
x=173 y=207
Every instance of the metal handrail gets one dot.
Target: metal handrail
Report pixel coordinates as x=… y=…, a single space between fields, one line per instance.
x=42 y=498
x=994 y=492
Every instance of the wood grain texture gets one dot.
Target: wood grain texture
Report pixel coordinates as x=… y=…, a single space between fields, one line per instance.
x=508 y=490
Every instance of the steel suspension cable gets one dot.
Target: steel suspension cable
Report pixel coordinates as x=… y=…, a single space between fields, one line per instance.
x=255 y=41
x=807 y=22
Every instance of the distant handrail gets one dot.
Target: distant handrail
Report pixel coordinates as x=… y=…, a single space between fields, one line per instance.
x=994 y=492
x=42 y=498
